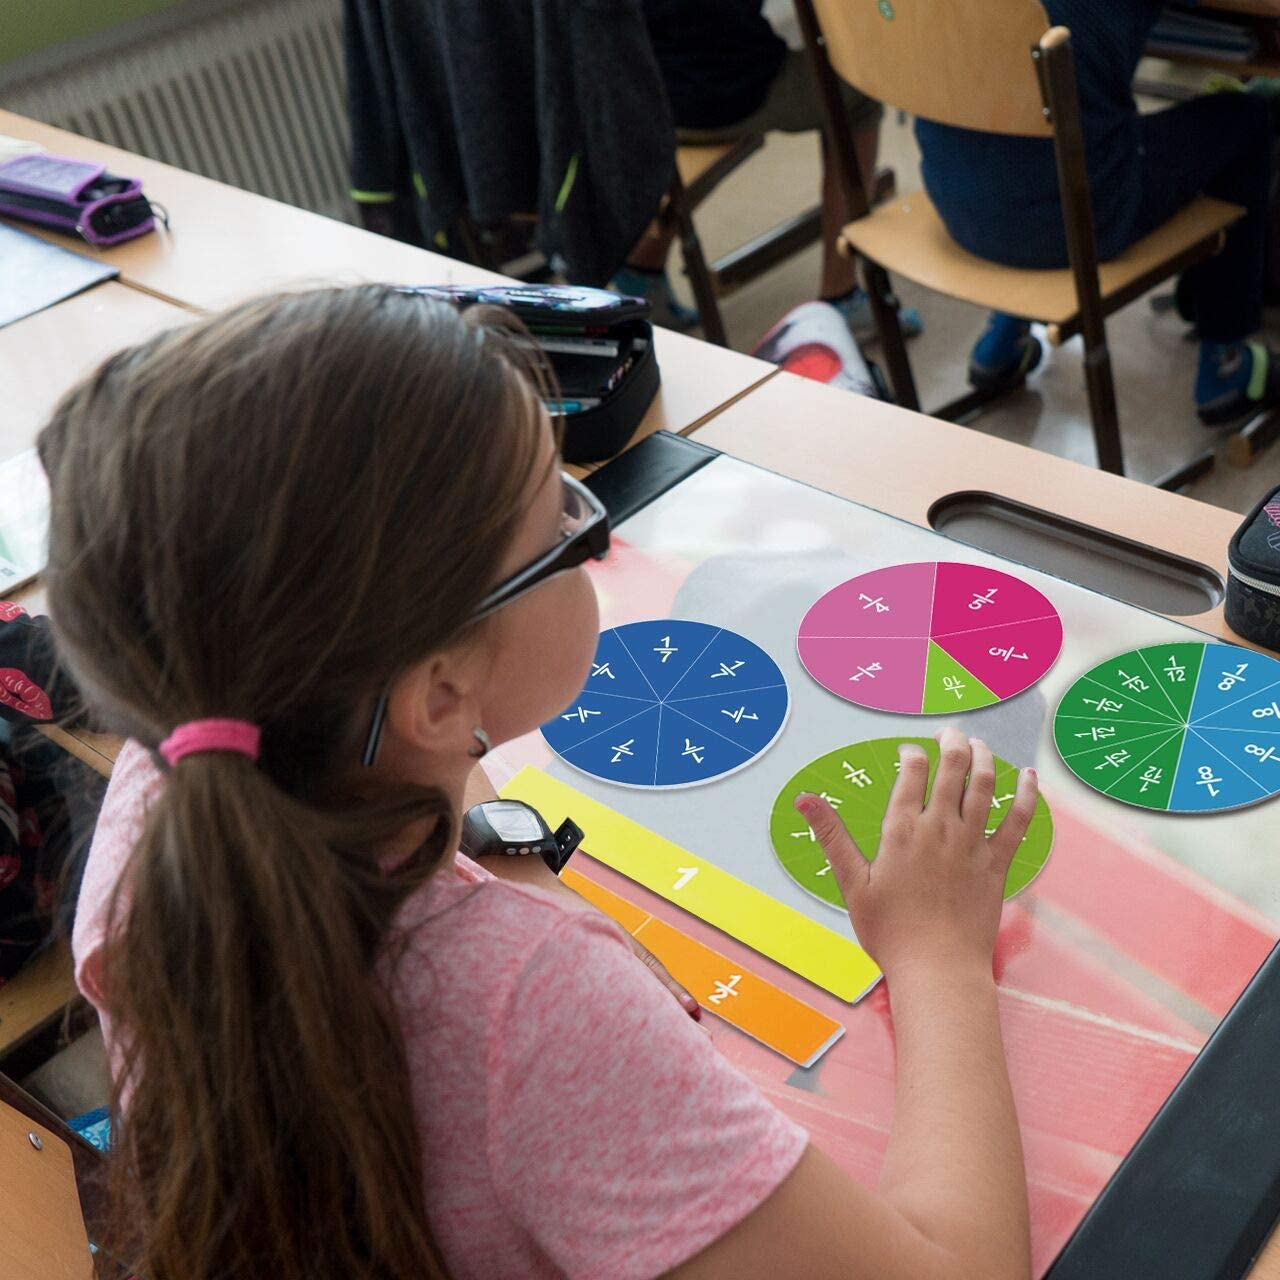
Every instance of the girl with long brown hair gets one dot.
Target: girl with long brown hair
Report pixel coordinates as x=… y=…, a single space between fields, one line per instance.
x=342 y=1049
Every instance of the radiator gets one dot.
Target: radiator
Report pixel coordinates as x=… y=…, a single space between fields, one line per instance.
x=253 y=96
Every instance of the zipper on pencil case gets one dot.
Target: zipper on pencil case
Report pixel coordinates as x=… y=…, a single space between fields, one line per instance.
x=118 y=216
x=1270 y=588
x=37 y=204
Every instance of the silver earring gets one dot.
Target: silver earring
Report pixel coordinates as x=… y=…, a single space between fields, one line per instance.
x=481 y=749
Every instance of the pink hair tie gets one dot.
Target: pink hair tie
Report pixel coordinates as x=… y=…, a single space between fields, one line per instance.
x=211 y=735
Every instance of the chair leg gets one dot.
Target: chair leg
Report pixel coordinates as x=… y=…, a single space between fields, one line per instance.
x=695 y=265
x=884 y=306
x=1180 y=477
x=1244 y=446
x=1103 y=414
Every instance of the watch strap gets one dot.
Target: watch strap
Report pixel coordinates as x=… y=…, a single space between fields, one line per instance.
x=568 y=836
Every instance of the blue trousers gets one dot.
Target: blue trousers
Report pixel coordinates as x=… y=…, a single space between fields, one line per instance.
x=1217 y=145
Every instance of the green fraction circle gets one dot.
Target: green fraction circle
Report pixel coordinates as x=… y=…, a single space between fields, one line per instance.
x=856 y=780
x=886 y=10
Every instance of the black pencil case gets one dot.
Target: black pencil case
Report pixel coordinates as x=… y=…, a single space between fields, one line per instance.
x=1253 y=575
x=600 y=346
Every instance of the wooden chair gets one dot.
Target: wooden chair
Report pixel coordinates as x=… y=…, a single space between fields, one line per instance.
x=42 y=1232
x=699 y=171
x=36 y=996
x=997 y=67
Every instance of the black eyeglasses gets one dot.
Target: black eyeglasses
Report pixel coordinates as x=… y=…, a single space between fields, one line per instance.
x=584 y=535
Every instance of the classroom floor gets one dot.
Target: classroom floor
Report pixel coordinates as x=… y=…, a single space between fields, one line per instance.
x=1153 y=359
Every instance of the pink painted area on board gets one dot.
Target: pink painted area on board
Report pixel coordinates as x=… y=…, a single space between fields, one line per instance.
x=885 y=674
x=966 y=596
x=1007 y=659
x=893 y=601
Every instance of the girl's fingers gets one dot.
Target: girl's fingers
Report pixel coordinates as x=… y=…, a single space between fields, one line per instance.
x=976 y=804
x=907 y=797
x=659 y=971
x=851 y=869
x=948 y=785
x=1009 y=834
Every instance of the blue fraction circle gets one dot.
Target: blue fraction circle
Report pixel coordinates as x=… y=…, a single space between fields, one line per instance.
x=671 y=703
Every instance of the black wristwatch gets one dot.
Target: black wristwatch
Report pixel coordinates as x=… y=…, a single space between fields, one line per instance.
x=514 y=829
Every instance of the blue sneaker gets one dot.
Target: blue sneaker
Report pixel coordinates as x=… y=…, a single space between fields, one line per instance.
x=655 y=288
x=1235 y=378
x=1005 y=353
x=855 y=306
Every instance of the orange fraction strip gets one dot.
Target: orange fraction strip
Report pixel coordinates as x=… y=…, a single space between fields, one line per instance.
x=743 y=999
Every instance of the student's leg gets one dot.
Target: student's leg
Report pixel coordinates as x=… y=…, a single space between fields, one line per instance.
x=793 y=106
x=1219 y=145
x=651 y=252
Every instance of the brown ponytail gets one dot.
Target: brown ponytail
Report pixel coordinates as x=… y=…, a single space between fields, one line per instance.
x=268 y=515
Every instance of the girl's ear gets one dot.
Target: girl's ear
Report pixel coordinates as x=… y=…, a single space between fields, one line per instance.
x=432 y=708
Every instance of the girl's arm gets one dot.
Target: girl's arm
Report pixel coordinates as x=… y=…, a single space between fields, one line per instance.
x=952 y=1202
x=535 y=872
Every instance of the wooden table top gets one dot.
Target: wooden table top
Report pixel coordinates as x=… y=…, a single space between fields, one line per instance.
x=44 y=354
x=224 y=244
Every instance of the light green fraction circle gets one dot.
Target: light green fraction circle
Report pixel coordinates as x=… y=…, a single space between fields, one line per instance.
x=856 y=780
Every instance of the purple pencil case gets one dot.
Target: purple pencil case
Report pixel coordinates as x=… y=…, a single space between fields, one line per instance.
x=76 y=196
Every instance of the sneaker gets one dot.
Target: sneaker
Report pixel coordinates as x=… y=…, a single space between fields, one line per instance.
x=1235 y=379
x=1005 y=353
x=655 y=288
x=855 y=306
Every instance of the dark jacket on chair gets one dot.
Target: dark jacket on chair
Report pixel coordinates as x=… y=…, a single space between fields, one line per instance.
x=491 y=108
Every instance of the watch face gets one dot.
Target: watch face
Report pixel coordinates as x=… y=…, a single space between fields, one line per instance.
x=513 y=822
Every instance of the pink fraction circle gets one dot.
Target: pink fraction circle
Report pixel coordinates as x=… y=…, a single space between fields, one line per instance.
x=931 y=638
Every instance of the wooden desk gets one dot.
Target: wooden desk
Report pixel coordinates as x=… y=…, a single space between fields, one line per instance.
x=1254 y=8
x=902 y=463
x=42 y=1235
x=1264 y=65
x=43 y=355
x=224 y=244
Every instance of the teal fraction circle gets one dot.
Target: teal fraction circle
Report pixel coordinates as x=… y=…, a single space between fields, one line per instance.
x=1186 y=727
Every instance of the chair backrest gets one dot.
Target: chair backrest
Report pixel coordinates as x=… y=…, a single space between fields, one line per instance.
x=959 y=62
x=42 y=1235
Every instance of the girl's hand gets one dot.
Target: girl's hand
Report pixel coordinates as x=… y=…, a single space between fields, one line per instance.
x=934 y=892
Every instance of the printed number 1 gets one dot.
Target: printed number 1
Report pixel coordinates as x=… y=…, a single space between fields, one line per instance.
x=686 y=874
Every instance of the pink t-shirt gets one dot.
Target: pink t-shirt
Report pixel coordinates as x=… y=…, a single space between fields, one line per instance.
x=574 y=1120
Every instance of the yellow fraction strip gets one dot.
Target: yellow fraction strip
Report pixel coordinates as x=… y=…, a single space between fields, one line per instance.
x=742 y=998
x=744 y=912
